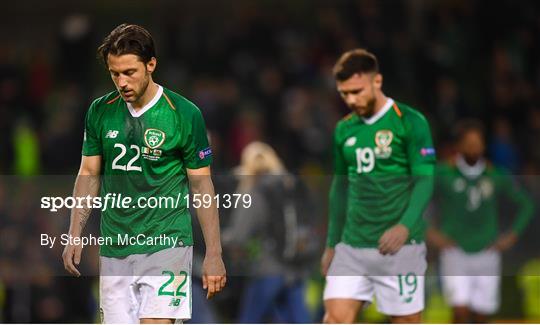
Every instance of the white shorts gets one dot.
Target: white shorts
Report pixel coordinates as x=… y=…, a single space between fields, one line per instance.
x=156 y=285
x=472 y=280
x=396 y=281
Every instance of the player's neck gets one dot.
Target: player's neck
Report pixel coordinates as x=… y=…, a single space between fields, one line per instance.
x=380 y=101
x=148 y=95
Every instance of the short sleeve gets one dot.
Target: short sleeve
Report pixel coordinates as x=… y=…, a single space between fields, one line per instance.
x=91 y=142
x=420 y=150
x=196 y=151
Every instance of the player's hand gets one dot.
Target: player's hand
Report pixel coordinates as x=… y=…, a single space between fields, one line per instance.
x=446 y=243
x=505 y=241
x=439 y=240
x=393 y=239
x=71 y=257
x=214 y=275
x=326 y=259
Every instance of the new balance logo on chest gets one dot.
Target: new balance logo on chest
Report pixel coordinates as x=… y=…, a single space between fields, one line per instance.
x=350 y=142
x=111 y=134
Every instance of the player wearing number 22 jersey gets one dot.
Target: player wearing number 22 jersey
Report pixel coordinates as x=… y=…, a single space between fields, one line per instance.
x=145 y=154
x=147 y=144
x=383 y=166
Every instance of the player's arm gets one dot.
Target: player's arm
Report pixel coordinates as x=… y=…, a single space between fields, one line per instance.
x=337 y=205
x=197 y=157
x=421 y=157
x=434 y=236
x=437 y=238
x=521 y=199
x=86 y=186
x=214 y=277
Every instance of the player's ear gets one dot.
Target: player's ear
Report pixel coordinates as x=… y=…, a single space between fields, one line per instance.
x=151 y=65
x=378 y=80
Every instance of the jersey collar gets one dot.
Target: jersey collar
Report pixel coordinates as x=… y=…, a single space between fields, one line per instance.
x=379 y=114
x=147 y=106
x=469 y=171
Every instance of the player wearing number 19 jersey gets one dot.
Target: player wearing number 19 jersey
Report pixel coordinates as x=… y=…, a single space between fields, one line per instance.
x=383 y=166
x=144 y=141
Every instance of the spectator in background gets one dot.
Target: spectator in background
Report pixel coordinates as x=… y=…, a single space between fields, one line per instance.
x=10 y=106
x=449 y=105
x=63 y=136
x=531 y=134
x=503 y=150
x=75 y=44
x=279 y=221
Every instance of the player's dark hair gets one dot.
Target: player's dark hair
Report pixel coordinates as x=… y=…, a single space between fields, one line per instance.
x=355 y=61
x=465 y=126
x=128 y=39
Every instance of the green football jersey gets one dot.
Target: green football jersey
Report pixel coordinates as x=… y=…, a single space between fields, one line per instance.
x=145 y=154
x=377 y=162
x=468 y=198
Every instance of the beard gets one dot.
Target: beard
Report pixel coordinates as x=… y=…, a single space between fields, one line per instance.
x=471 y=159
x=367 y=110
x=138 y=94
x=144 y=85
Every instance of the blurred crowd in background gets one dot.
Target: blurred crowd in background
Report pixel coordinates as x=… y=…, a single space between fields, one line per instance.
x=260 y=71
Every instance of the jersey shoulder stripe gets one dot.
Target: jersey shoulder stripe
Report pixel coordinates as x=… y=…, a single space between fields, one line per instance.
x=179 y=103
x=346 y=121
x=397 y=110
x=106 y=100
x=169 y=101
x=113 y=100
x=409 y=115
x=347 y=117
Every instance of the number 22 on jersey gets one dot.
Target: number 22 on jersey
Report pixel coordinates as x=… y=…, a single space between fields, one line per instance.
x=123 y=151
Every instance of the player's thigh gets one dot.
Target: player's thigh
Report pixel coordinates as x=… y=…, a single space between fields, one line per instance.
x=457 y=289
x=346 y=279
x=346 y=290
x=453 y=261
x=348 y=287
x=399 y=295
x=456 y=276
x=346 y=275
x=118 y=303
x=344 y=296
x=401 y=291
x=341 y=310
x=164 y=282
x=348 y=262
x=485 y=299
x=486 y=282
